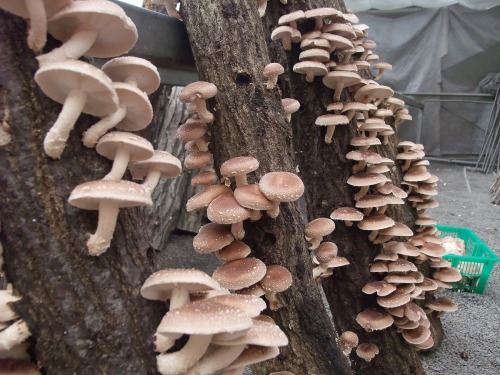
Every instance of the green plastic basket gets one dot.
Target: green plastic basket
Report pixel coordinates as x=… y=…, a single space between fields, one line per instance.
x=475 y=267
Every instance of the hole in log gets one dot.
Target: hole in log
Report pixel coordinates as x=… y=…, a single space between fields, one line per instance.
x=243 y=79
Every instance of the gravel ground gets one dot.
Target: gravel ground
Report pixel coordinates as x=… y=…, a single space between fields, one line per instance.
x=470 y=345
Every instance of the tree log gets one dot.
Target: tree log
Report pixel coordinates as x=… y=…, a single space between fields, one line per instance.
x=250 y=121
x=85 y=313
x=325 y=170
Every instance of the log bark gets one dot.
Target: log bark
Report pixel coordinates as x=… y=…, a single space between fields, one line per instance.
x=85 y=313
x=250 y=121
x=325 y=170
x=169 y=210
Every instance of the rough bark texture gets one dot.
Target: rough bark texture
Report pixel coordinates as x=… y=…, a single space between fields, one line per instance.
x=85 y=313
x=250 y=121
x=325 y=170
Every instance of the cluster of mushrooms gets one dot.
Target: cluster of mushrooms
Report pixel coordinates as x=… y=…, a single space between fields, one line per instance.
x=226 y=331
x=338 y=51
x=117 y=93
x=13 y=330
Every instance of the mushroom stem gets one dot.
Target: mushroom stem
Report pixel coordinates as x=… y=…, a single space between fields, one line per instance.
x=216 y=360
x=237 y=230
x=179 y=297
x=163 y=343
x=37 y=34
x=255 y=215
x=74 y=48
x=314 y=242
x=330 y=129
x=309 y=76
x=132 y=81
x=171 y=10
x=91 y=135
x=55 y=140
x=241 y=180
x=274 y=211
x=151 y=180
x=361 y=193
x=13 y=335
x=338 y=91
x=120 y=164
x=201 y=108
x=372 y=235
x=348 y=223
x=274 y=303
x=100 y=241
x=179 y=362
x=272 y=81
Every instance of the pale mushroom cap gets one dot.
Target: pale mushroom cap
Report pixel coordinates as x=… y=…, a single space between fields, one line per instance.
x=290 y=17
x=374 y=318
x=366 y=179
x=19 y=7
x=347 y=78
x=145 y=74
x=254 y=354
x=139 y=110
x=200 y=89
x=314 y=67
x=226 y=210
x=262 y=333
x=204 y=178
x=383 y=65
x=250 y=196
x=252 y=305
x=290 y=105
x=240 y=273
x=277 y=279
x=273 y=69
x=314 y=54
x=159 y=285
x=364 y=141
x=204 y=317
x=337 y=41
x=238 y=166
x=319 y=227
x=57 y=80
x=116 y=33
x=123 y=193
x=370 y=157
x=346 y=213
x=138 y=147
x=281 y=186
x=212 y=237
x=322 y=12
x=373 y=91
x=329 y=119
x=162 y=161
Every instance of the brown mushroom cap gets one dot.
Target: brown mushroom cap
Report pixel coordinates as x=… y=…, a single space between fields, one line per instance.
x=212 y=237
x=273 y=69
x=226 y=210
x=203 y=198
x=374 y=318
x=367 y=351
x=346 y=214
x=240 y=273
x=319 y=227
x=198 y=89
x=235 y=250
x=277 y=279
x=239 y=166
x=375 y=222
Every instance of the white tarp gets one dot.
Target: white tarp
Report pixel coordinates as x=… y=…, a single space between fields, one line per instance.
x=362 y=5
x=444 y=50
